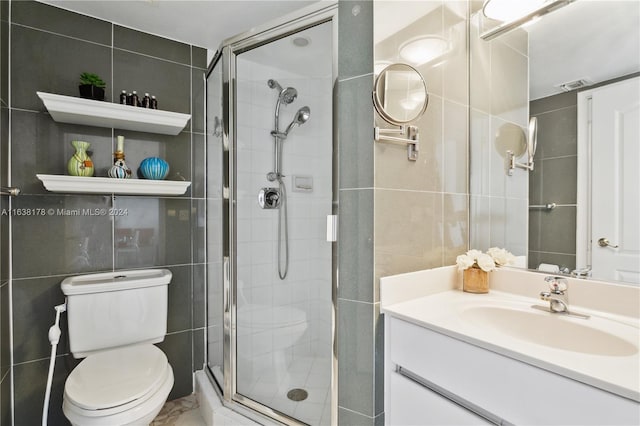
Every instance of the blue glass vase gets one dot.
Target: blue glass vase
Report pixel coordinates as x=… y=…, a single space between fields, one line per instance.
x=154 y=168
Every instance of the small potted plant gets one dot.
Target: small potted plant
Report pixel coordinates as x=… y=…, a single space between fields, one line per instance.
x=91 y=86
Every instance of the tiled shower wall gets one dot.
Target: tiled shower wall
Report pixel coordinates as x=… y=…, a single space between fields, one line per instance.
x=49 y=49
x=306 y=152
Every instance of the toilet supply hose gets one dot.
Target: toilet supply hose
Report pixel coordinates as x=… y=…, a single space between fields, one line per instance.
x=54 y=338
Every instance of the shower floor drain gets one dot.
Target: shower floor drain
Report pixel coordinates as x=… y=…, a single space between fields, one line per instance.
x=297 y=394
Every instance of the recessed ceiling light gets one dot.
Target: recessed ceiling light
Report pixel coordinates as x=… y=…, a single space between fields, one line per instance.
x=423 y=49
x=301 y=41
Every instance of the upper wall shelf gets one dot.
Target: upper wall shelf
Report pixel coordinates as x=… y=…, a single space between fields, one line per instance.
x=103 y=185
x=68 y=109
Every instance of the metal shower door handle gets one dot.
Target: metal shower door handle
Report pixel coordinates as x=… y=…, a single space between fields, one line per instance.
x=603 y=242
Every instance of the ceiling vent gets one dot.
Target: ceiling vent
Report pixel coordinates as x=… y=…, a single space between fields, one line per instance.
x=574 y=85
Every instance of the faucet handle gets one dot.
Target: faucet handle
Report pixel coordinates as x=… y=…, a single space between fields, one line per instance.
x=557 y=285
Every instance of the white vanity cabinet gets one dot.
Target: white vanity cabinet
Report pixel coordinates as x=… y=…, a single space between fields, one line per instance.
x=487 y=387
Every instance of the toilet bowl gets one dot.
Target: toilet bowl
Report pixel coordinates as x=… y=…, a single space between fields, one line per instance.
x=125 y=386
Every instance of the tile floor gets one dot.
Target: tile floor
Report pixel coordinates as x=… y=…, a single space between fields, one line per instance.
x=180 y=412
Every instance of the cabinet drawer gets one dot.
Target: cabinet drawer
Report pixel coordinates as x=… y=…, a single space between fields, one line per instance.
x=515 y=391
x=412 y=404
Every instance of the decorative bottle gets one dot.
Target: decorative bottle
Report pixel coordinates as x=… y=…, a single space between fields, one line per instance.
x=119 y=170
x=80 y=164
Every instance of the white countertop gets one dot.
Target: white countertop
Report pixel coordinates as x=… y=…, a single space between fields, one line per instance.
x=446 y=311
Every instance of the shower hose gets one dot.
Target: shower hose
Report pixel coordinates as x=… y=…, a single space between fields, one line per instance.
x=54 y=338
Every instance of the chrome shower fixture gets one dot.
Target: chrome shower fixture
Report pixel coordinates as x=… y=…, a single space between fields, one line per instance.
x=286 y=96
x=276 y=198
x=300 y=118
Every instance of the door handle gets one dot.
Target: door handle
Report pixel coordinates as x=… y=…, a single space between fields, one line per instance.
x=603 y=242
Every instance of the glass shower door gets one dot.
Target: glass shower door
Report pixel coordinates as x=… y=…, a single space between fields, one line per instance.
x=283 y=168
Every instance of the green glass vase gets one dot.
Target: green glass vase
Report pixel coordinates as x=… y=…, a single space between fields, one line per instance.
x=80 y=164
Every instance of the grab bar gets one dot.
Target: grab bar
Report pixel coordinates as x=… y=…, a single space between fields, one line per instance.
x=548 y=206
x=7 y=190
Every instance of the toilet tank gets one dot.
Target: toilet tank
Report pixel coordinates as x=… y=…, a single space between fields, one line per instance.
x=115 y=309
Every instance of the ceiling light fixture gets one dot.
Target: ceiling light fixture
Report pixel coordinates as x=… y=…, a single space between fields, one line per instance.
x=517 y=13
x=423 y=49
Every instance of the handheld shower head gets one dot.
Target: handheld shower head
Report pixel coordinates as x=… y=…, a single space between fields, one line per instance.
x=301 y=117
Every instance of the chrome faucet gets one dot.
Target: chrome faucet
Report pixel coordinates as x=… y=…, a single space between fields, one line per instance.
x=557 y=295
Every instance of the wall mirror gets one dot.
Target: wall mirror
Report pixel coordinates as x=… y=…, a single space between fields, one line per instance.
x=538 y=72
x=400 y=94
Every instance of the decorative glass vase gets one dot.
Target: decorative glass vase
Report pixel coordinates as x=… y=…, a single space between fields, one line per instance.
x=475 y=280
x=119 y=170
x=154 y=168
x=80 y=164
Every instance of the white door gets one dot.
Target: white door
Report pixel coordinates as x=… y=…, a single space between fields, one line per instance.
x=615 y=162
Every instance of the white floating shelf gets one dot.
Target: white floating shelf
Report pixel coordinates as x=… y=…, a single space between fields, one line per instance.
x=104 y=185
x=68 y=109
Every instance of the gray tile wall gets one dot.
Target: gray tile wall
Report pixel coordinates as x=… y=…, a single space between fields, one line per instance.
x=552 y=233
x=359 y=343
x=5 y=360
x=49 y=48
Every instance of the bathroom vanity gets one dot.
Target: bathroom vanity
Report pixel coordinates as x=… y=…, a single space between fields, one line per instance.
x=459 y=358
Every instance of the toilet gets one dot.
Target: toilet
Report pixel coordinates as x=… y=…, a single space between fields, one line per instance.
x=114 y=319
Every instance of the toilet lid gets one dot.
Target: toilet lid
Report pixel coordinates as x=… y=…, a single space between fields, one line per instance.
x=264 y=316
x=116 y=377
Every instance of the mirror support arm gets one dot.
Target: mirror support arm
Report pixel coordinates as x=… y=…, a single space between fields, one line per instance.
x=511 y=158
x=409 y=137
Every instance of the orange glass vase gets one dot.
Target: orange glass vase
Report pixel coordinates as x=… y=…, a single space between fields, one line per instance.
x=475 y=280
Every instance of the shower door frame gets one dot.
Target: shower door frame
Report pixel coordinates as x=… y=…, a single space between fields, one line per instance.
x=305 y=18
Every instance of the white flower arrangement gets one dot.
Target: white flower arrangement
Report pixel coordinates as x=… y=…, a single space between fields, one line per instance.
x=488 y=262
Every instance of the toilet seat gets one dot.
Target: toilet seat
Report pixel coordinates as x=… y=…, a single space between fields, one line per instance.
x=117 y=380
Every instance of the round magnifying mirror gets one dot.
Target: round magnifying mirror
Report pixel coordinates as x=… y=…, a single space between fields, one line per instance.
x=400 y=94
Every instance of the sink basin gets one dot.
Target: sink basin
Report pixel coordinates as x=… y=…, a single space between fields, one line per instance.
x=554 y=330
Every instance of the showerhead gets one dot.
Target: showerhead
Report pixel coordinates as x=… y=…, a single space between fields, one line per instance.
x=287 y=95
x=302 y=116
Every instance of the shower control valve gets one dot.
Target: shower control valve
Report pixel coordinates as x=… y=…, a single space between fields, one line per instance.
x=269 y=198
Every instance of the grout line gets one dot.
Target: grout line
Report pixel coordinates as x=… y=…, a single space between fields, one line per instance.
x=60 y=35
x=151 y=56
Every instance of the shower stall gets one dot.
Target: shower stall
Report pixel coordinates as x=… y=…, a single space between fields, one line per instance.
x=271 y=269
